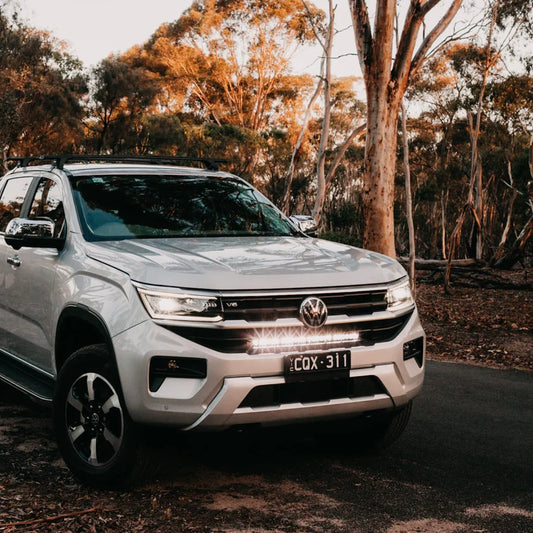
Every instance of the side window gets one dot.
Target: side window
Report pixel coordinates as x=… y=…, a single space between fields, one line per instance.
x=48 y=203
x=12 y=199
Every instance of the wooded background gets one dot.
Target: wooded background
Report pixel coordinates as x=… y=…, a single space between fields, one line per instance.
x=220 y=82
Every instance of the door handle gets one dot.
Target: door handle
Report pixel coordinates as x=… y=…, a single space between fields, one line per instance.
x=14 y=261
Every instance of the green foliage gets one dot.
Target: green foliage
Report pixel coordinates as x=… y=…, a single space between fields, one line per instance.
x=122 y=99
x=345 y=216
x=233 y=16
x=511 y=99
x=162 y=134
x=343 y=238
x=41 y=90
x=428 y=192
x=229 y=61
x=516 y=11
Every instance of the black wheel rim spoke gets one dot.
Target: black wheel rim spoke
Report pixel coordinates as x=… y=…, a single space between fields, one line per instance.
x=94 y=419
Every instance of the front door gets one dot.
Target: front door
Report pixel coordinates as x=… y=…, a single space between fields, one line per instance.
x=29 y=281
x=11 y=202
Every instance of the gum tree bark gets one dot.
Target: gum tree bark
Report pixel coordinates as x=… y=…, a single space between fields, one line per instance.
x=409 y=204
x=386 y=74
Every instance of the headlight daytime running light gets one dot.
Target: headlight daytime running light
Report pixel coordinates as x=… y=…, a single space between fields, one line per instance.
x=399 y=297
x=180 y=306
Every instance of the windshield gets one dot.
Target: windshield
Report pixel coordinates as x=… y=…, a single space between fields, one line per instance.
x=152 y=206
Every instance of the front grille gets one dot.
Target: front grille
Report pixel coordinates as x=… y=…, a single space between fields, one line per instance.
x=258 y=308
x=240 y=340
x=314 y=391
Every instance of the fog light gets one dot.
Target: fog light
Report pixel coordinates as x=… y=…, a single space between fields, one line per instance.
x=414 y=350
x=175 y=367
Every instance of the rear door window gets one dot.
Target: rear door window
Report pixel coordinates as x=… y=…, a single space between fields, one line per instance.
x=12 y=198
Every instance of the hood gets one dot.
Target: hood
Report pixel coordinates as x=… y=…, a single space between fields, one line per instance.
x=249 y=263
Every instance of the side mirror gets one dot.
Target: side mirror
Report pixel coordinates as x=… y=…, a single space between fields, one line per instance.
x=38 y=233
x=306 y=224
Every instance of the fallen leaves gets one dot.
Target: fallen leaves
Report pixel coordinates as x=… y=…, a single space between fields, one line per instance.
x=493 y=327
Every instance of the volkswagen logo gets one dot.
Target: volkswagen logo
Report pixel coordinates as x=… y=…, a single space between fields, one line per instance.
x=313 y=312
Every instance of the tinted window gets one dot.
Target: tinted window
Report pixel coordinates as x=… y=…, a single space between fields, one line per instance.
x=122 y=207
x=48 y=203
x=12 y=199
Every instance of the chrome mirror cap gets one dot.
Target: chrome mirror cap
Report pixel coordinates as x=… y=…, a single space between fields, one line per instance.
x=26 y=228
x=37 y=233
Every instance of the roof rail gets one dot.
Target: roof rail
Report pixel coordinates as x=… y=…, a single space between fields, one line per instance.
x=60 y=161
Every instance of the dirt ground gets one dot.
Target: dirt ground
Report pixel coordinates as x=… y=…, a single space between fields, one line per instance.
x=490 y=327
x=37 y=493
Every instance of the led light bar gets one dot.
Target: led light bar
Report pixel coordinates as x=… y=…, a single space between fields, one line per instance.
x=326 y=340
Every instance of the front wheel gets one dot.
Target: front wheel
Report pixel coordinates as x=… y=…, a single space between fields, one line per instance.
x=372 y=432
x=381 y=430
x=99 y=442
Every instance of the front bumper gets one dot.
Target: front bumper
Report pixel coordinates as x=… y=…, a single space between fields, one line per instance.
x=219 y=400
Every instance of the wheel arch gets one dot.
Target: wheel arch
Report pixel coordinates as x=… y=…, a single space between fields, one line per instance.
x=78 y=327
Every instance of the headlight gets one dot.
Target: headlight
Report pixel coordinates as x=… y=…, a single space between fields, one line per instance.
x=399 y=297
x=178 y=306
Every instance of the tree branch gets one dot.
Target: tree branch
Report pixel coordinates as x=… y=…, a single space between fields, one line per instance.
x=342 y=151
x=290 y=171
x=406 y=45
x=434 y=34
x=428 y=6
x=363 y=33
x=315 y=33
x=324 y=134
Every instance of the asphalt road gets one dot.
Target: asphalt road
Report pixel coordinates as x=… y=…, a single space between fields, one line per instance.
x=464 y=464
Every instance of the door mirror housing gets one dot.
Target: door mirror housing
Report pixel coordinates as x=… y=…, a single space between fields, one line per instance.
x=38 y=233
x=306 y=224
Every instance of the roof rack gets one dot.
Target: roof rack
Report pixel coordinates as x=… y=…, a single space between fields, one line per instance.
x=60 y=161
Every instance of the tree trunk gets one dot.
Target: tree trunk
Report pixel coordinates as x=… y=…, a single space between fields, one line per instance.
x=531 y=157
x=517 y=250
x=500 y=251
x=443 y=205
x=409 y=204
x=299 y=142
x=476 y=168
x=380 y=166
x=324 y=134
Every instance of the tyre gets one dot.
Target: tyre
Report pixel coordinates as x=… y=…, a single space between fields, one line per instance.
x=373 y=432
x=380 y=430
x=97 y=439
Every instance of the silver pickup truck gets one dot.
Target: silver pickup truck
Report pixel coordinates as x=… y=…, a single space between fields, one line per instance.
x=140 y=292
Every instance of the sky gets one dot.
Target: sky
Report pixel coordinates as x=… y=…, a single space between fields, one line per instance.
x=96 y=28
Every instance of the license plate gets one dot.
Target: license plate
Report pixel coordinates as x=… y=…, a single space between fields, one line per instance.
x=317 y=366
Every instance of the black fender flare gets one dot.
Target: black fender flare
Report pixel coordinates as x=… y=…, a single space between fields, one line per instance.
x=65 y=344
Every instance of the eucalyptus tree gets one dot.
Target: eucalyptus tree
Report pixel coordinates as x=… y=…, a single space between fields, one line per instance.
x=41 y=90
x=123 y=99
x=387 y=72
x=230 y=61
